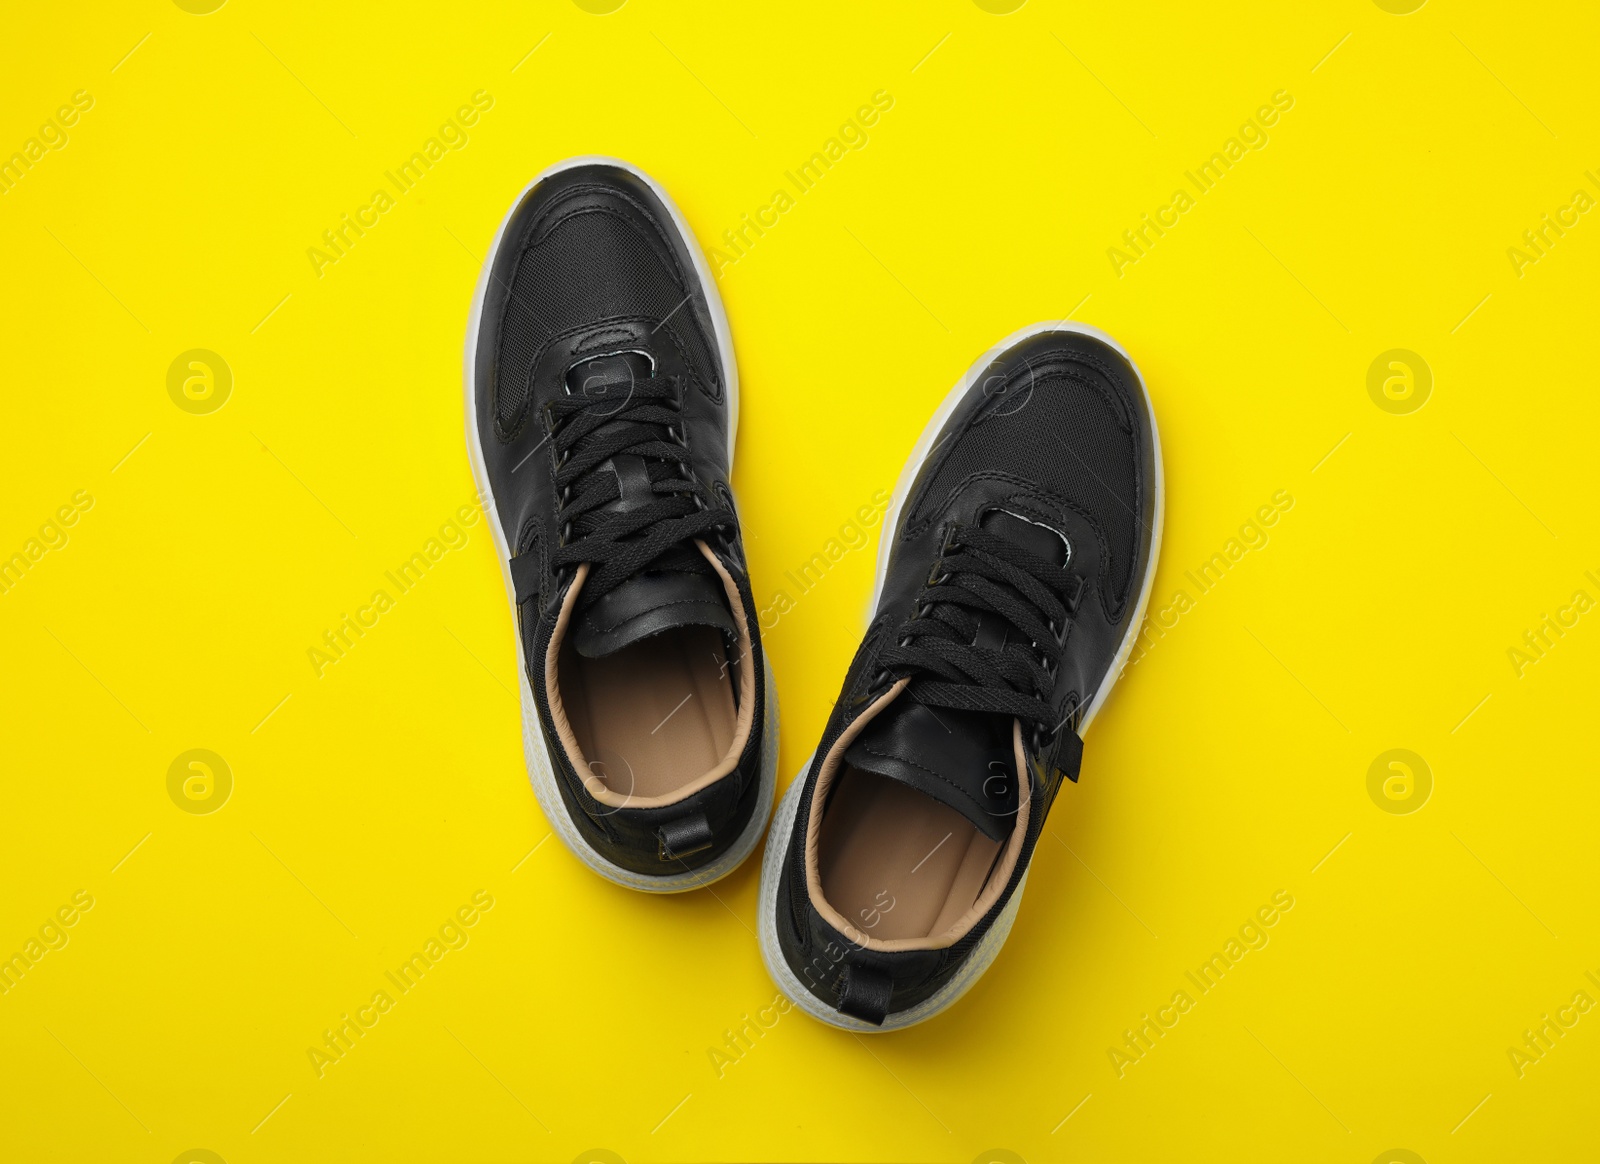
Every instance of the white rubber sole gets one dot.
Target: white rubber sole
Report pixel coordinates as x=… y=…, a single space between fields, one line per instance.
x=982 y=955
x=541 y=769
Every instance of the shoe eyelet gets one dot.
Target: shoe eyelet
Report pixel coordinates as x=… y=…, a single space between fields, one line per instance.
x=1041 y=737
x=881 y=682
x=1073 y=600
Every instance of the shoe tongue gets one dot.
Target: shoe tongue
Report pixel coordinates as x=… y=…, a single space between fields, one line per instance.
x=685 y=591
x=962 y=759
x=651 y=603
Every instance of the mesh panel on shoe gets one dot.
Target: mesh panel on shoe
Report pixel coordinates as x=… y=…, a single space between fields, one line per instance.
x=593 y=266
x=1067 y=438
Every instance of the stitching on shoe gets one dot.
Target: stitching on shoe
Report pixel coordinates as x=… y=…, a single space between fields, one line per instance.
x=520 y=418
x=554 y=216
x=1116 y=395
x=657 y=238
x=597 y=343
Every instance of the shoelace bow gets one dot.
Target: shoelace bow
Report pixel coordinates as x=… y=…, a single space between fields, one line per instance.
x=625 y=418
x=979 y=576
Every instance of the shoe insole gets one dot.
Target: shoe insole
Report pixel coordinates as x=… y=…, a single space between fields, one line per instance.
x=657 y=714
x=897 y=863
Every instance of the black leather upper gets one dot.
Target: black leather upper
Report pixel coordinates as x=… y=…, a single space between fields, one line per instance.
x=591 y=264
x=600 y=231
x=1054 y=431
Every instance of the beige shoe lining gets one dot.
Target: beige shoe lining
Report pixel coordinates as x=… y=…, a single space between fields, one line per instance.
x=893 y=869
x=656 y=721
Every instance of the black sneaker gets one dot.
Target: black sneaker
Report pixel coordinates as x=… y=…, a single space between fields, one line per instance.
x=1025 y=532
x=602 y=400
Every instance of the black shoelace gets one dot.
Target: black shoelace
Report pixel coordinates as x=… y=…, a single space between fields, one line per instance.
x=639 y=418
x=980 y=577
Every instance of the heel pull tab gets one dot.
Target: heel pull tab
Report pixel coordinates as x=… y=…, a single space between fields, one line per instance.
x=865 y=993
x=683 y=837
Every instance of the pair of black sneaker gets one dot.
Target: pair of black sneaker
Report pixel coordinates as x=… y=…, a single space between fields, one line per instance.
x=1012 y=577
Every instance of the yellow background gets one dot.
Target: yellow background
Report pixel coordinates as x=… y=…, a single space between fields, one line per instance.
x=372 y=801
